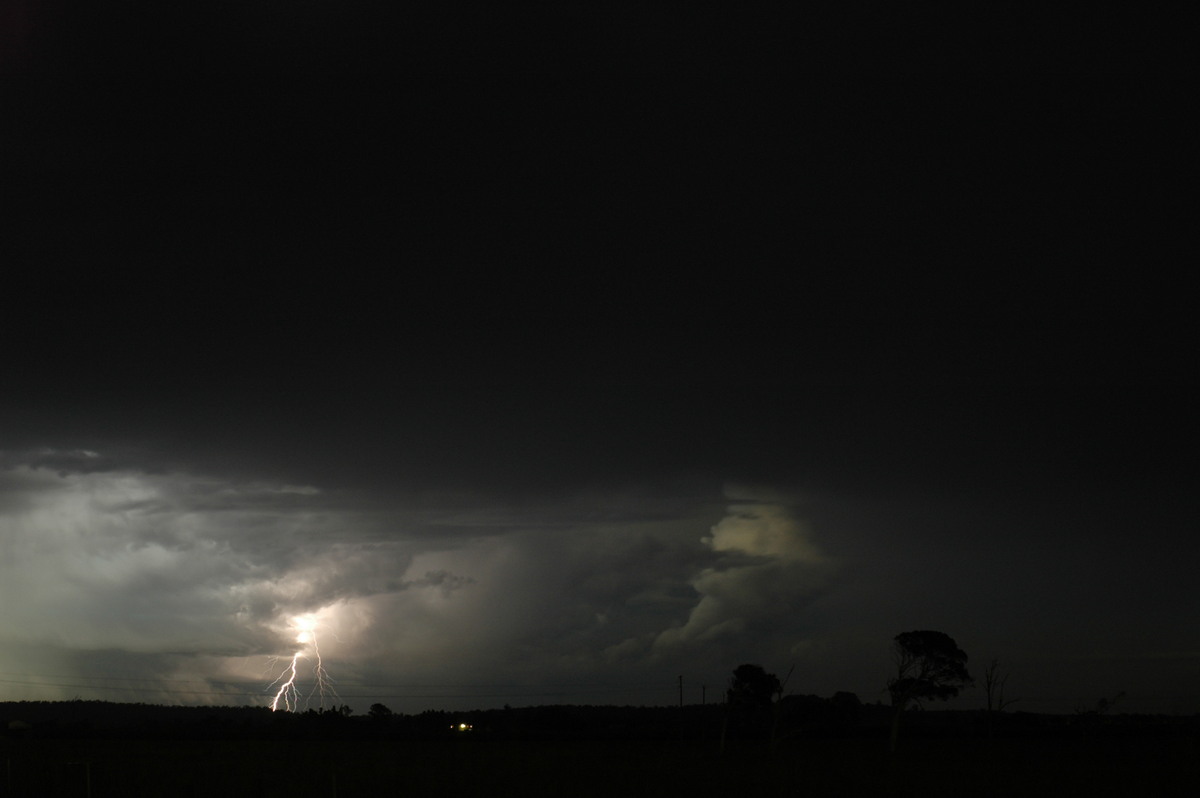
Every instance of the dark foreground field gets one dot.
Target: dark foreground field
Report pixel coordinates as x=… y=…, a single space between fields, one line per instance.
x=464 y=767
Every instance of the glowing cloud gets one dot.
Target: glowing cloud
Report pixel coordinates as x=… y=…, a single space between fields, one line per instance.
x=768 y=567
x=287 y=694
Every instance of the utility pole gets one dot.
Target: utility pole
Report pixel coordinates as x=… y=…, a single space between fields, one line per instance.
x=681 y=691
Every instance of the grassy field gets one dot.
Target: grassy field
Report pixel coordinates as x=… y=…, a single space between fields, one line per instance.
x=847 y=767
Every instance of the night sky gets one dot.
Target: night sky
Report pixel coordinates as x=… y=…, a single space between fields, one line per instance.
x=547 y=358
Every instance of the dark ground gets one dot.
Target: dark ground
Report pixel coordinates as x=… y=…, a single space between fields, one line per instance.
x=822 y=747
x=828 y=767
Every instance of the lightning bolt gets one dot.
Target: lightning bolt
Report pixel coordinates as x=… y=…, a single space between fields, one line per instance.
x=287 y=693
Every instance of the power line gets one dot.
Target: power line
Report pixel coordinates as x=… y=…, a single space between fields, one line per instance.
x=575 y=686
x=485 y=691
x=210 y=692
x=421 y=690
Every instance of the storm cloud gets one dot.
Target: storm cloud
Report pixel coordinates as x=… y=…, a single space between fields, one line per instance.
x=199 y=577
x=536 y=368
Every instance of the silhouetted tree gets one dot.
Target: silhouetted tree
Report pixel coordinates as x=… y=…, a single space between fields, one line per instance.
x=929 y=665
x=994 y=681
x=748 y=701
x=752 y=686
x=379 y=712
x=1093 y=717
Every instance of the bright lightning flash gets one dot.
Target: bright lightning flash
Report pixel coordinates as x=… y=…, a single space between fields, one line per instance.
x=288 y=694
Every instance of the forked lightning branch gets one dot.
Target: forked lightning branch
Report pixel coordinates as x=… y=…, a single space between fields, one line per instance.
x=287 y=684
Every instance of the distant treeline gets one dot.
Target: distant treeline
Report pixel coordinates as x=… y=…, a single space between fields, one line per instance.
x=795 y=717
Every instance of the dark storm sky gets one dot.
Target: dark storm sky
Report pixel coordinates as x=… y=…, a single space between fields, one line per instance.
x=547 y=359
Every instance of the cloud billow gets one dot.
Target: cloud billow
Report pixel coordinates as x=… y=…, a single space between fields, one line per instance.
x=766 y=568
x=158 y=564
x=179 y=576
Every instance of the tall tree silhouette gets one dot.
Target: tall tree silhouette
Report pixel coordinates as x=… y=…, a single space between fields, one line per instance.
x=929 y=665
x=751 y=685
x=749 y=698
x=994 y=681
